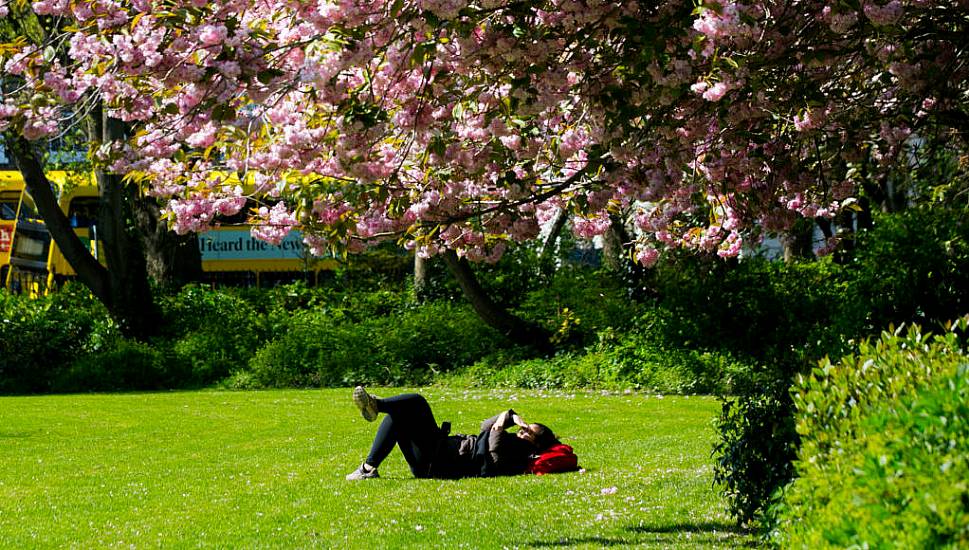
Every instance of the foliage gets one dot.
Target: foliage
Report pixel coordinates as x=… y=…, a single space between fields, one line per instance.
x=577 y=304
x=755 y=449
x=783 y=314
x=40 y=337
x=212 y=333
x=318 y=348
x=464 y=125
x=913 y=266
x=125 y=366
x=885 y=436
x=637 y=357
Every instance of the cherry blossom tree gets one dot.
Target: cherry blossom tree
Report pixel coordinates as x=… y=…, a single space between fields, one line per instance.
x=457 y=127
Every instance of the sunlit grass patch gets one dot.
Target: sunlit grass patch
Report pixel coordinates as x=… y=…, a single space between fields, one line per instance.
x=256 y=469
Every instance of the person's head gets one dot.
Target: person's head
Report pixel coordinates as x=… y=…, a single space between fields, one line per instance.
x=539 y=435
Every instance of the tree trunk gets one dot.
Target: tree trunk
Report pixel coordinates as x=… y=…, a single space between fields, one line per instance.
x=546 y=256
x=514 y=328
x=798 y=241
x=420 y=278
x=130 y=293
x=173 y=260
x=612 y=253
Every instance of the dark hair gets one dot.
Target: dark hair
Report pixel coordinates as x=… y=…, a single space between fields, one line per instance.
x=544 y=438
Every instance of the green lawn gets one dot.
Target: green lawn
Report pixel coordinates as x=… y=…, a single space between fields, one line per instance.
x=265 y=469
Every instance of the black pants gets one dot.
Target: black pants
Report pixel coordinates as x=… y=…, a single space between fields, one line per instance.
x=410 y=425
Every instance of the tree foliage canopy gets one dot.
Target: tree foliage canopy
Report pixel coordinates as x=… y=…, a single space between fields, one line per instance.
x=463 y=125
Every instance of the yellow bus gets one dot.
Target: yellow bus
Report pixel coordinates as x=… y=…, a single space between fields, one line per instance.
x=24 y=240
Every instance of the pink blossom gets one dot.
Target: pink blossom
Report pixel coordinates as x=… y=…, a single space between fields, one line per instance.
x=272 y=225
x=841 y=23
x=204 y=137
x=700 y=87
x=716 y=92
x=213 y=35
x=512 y=142
x=647 y=256
x=888 y=14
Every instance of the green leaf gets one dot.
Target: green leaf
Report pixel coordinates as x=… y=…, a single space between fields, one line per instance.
x=266 y=76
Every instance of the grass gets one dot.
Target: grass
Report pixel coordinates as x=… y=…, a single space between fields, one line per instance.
x=265 y=469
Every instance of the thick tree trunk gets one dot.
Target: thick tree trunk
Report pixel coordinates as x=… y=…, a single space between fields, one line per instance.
x=173 y=260
x=514 y=328
x=130 y=293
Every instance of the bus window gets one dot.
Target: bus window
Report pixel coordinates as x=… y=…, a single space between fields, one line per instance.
x=31 y=244
x=83 y=211
x=28 y=212
x=8 y=205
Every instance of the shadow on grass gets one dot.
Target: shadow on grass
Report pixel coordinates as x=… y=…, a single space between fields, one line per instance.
x=716 y=534
x=702 y=527
x=16 y=435
x=598 y=541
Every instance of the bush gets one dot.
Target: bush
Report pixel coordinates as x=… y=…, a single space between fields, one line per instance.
x=912 y=267
x=318 y=349
x=635 y=360
x=787 y=315
x=40 y=337
x=577 y=304
x=884 y=460
x=214 y=333
x=755 y=449
x=128 y=365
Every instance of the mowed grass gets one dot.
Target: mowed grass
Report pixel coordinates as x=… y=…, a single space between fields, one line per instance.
x=266 y=469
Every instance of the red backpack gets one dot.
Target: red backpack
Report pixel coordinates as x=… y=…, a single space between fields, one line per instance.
x=556 y=459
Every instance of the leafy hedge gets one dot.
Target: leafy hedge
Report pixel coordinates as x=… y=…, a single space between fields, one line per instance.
x=40 y=338
x=317 y=348
x=884 y=458
x=640 y=357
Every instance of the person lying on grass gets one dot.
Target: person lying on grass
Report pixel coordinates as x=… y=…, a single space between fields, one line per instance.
x=432 y=453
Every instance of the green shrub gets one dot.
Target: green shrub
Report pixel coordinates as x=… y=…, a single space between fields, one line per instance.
x=128 y=365
x=565 y=371
x=319 y=349
x=912 y=267
x=885 y=441
x=578 y=304
x=787 y=315
x=213 y=332
x=40 y=337
x=645 y=358
x=756 y=446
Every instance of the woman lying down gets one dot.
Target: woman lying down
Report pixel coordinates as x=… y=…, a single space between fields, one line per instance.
x=432 y=452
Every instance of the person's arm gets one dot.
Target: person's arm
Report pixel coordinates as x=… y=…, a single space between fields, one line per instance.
x=498 y=461
x=500 y=421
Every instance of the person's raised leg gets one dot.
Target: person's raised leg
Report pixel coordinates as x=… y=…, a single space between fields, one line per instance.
x=409 y=423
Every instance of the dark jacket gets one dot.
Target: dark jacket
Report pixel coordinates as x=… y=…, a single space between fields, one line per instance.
x=490 y=453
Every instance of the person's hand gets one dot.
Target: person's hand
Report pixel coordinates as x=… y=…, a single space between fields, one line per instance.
x=519 y=421
x=499 y=424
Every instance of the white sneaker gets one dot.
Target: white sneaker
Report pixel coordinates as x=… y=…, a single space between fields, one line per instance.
x=366 y=403
x=361 y=473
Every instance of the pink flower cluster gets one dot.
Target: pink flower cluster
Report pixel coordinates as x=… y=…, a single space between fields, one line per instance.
x=273 y=224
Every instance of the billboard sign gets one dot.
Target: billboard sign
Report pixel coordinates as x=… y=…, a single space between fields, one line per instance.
x=239 y=244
